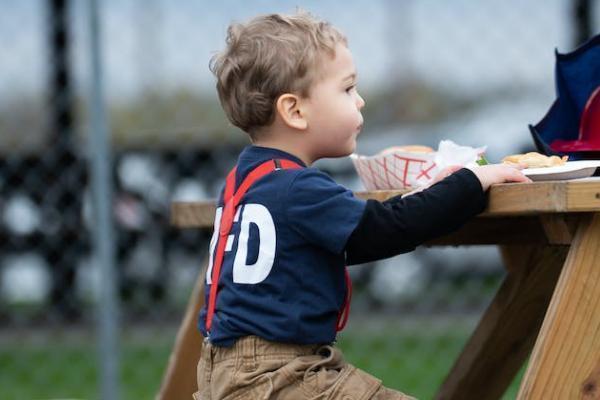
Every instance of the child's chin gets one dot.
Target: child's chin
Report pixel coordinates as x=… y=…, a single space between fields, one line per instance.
x=352 y=148
x=349 y=150
x=343 y=152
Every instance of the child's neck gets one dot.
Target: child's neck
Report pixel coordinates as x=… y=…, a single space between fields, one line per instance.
x=285 y=145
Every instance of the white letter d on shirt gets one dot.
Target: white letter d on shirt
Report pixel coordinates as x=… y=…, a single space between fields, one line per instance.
x=242 y=272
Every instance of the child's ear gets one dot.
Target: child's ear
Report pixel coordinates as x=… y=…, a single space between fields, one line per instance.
x=289 y=108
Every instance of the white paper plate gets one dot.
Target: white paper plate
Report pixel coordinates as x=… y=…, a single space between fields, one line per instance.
x=571 y=170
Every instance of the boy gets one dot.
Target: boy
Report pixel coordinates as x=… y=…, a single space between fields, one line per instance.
x=277 y=291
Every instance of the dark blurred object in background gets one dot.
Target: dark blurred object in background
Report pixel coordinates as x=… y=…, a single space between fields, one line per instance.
x=582 y=21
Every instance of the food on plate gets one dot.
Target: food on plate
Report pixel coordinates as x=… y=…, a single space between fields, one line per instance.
x=416 y=148
x=535 y=160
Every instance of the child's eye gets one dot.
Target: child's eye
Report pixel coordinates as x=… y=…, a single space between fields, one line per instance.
x=350 y=88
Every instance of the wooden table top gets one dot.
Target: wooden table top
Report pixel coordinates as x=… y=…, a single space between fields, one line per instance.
x=510 y=199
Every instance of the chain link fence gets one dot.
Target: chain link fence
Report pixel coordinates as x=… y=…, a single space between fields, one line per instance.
x=474 y=72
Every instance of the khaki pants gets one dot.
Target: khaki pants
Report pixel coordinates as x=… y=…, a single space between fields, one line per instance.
x=255 y=369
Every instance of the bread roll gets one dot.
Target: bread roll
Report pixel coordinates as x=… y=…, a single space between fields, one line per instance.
x=409 y=149
x=535 y=160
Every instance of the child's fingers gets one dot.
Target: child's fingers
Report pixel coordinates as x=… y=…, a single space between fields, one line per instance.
x=521 y=166
x=515 y=175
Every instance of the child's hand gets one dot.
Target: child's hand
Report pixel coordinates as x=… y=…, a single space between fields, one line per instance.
x=498 y=173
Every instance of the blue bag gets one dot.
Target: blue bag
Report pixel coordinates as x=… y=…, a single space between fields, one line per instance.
x=572 y=125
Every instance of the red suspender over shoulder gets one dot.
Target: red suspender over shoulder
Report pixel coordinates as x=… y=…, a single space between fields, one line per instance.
x=230 y=202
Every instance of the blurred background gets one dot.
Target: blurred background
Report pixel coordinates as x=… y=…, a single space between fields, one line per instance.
x=474 y=72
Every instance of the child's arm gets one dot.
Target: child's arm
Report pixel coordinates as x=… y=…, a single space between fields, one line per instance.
x=401 y=223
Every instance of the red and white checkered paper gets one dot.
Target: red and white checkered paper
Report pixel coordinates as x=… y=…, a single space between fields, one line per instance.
x=397 y=170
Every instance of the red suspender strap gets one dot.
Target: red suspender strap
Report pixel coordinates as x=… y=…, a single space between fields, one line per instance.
x=224 y=229
x=231 y=200
x=345 y=311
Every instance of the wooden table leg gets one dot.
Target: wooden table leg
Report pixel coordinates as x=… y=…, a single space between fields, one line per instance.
x=565 y=363
x=179 y=381
x=507 y=331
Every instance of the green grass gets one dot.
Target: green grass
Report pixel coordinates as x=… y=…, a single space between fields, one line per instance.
x=62 y=370
x=413 y=358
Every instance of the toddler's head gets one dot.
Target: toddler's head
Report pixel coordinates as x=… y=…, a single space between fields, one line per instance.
x=266 y=57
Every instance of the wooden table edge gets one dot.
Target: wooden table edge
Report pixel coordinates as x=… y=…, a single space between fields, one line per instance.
x=504 y=200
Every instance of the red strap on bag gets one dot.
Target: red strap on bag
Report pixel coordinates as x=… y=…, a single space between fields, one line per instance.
x=231 y=201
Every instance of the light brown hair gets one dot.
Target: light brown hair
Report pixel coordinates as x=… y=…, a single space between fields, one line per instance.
x=266 y=57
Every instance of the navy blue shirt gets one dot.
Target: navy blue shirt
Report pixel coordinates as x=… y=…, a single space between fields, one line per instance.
x=282 y=276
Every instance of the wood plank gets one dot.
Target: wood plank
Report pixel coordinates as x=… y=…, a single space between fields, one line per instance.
x=510 y=198
x=477 y=231
x=531 y=198
x=537 y=197
x=509 y=230
x=566 y=357
x=506 y=199
x=582 y=196
x=559 y=228
x=179 y=381
x=507 y=331
x=193 y=214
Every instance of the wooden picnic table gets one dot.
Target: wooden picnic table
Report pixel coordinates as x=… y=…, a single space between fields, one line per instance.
x=549 y=301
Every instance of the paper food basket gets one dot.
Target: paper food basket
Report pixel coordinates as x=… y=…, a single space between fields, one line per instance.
x=396 y=170
x=400 y=169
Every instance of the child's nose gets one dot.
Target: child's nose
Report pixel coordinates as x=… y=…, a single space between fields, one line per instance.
x=360 y=102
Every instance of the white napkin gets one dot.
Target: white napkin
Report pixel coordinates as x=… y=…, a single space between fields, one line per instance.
x=449 y=153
